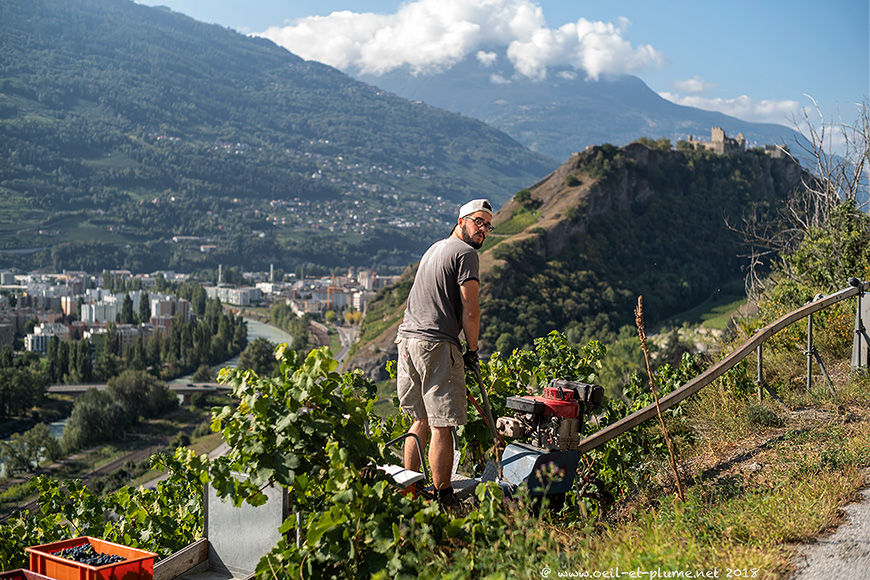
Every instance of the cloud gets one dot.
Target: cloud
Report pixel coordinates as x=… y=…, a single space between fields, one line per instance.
x=486 y=58
x=432 y=35
x=695 y=85
x=742 y=107
x=594 y=47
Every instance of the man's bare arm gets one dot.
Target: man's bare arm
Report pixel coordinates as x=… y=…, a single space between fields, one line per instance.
x=469 y=291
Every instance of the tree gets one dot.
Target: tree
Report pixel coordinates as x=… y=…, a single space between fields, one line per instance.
x=144 y=308
x=663 y=144
x=198 y=300
x=140 y=394
x=127 y=310
x=62 y=369
x=160 y=283
x=20 y=389
x=240 y=336
x=259 y=357
x=836 y=177
x=108 y=365
x=52 y=362
x=84 y=364
x=30 y=325
x=73 y=374
x=134 y=355
x=6 y=358
x=95 y=417
x=24 y=452
x=203 y=374
x=830 y=180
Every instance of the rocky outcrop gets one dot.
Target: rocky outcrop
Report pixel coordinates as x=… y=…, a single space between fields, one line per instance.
x=372 y=357
x=559 y=221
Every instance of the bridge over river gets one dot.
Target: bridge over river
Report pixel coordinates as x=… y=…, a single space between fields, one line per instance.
x=180 y=388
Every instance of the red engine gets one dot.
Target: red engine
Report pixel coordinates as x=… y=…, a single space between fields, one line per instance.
x=551 y=421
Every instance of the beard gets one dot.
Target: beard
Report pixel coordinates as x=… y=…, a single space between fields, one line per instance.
x=469 y=239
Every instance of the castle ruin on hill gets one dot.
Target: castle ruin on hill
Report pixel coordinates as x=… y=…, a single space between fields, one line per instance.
x=719 y=142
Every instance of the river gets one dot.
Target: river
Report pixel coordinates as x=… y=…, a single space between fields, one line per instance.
x=257 y=329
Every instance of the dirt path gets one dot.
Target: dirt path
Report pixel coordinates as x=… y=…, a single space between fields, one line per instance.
x=844 y=553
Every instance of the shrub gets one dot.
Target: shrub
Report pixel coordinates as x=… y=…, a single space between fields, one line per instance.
x=760 y=416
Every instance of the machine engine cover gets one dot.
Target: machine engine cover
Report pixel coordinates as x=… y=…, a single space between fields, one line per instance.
x=525 y=405
x=590 y=395
x=559 y=408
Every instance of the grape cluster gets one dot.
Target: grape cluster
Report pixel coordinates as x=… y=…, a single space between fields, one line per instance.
x=86 y=554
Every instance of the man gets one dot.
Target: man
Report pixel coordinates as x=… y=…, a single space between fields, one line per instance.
x=431 y=376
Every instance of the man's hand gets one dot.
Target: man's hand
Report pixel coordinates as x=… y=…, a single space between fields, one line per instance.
x=472 y=363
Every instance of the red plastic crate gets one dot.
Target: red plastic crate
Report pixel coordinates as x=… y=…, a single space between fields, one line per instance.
x=22 y=574
x=138 y=564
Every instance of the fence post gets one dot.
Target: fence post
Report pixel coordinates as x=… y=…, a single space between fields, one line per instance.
x=809 y=352
x=861 y=344
x=759 y=378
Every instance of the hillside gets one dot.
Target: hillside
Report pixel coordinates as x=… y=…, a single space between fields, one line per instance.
x=565 y=112
x=122 y=126
x=574 y=251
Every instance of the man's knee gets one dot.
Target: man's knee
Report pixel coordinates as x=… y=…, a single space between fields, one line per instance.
x=441 y=435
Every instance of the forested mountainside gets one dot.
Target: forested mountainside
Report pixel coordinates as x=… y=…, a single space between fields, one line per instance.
x=122 y=126
x=574 y=251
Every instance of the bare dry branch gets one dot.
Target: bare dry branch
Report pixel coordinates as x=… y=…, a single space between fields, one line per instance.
x=831 y=179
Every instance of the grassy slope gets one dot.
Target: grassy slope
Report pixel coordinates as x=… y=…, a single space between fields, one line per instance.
x=759 y=480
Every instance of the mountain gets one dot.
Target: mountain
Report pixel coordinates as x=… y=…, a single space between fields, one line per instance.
x=565 y=113
x=574 y=251
x=137 y=137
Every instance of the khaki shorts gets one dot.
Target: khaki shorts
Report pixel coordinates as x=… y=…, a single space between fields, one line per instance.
x=431 y=381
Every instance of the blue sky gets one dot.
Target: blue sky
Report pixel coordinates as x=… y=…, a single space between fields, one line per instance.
x=754 y=59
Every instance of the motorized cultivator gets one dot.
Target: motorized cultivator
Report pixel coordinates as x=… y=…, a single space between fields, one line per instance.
x=545 y=432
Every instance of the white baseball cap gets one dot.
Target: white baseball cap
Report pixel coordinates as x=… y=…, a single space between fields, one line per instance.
x=475 y=205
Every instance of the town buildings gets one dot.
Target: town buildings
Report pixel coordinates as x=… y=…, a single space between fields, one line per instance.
x=41 y=306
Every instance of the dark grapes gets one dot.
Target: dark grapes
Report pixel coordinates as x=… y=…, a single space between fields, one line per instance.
x=86 y=554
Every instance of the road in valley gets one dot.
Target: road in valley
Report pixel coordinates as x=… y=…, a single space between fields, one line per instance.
x=347 y=336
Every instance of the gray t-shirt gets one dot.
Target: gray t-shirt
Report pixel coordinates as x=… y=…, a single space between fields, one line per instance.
x=434 y=309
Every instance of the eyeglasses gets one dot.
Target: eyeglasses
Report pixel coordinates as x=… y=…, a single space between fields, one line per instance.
x=481 y=224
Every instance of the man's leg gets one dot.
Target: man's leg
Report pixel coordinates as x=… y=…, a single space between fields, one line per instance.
x=409 y=387
x=412 y=456
x=441 y=456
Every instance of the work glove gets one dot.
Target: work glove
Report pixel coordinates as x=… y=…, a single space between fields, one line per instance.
x=472 y=363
